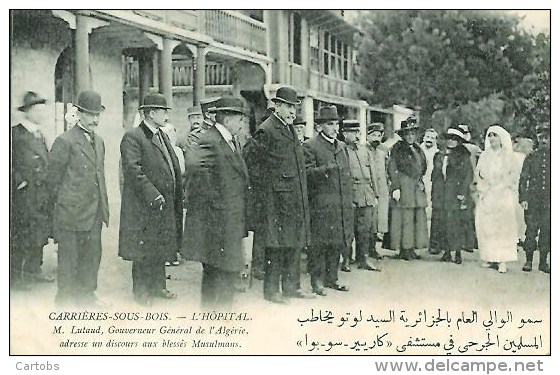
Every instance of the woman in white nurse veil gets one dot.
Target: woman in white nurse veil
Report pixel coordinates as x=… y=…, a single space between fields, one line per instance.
x=496 y=179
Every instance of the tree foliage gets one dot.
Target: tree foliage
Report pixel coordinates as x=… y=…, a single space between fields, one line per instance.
x=447 y=63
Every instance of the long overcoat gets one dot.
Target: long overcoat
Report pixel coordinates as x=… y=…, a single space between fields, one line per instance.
x=29 y=213
x=457 y=180
x=406 y=169
x=215 y=220
x=76 y=181
x=278 y=209
x=330 y=192
x=145 y=230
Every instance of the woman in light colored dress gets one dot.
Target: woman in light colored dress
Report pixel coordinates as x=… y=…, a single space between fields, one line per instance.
x=495 y=174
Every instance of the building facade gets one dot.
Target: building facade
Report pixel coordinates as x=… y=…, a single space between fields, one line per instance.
x=186 y=55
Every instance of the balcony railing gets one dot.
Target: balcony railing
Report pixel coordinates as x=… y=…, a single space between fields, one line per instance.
x=225 y=26
x=183 y=74
x=236 y=29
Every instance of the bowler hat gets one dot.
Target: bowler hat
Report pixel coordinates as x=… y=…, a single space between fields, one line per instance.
x=194 y=110
x=543 y=128
x=90 y=102
x=156 y=101
x=408 y=124
x=454 y=132
x=299 y=120
x=327 y=113
x=375 y=127
x=287 y=95
x=207 y=103
x=30 y=99
x=350 y=125
x=228 y=104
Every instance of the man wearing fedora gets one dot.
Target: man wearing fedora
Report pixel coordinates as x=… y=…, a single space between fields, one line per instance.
x=534 y=197
x=215 y=221
x=362 y=165
x=451 y=177
x=151 y=222
x=76 y=180
x=407 y=165
x=300 y=125
x=330 y=201
x=29 y=214
x=278 y=210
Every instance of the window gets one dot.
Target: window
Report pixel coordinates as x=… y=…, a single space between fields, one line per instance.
x=296 y=38
x=314 y=45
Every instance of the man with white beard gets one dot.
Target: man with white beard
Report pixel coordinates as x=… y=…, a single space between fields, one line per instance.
x=429 y=146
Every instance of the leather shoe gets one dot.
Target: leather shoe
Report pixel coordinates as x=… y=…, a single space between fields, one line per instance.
x=40 y=278
x=164 y=293
x=527 y=267
x=544 y=268
x=277 y=298
x=345 y=269
x=335 y=286
x=298 y=294
x=412 y=254
x=320 y=292
x=367 y=267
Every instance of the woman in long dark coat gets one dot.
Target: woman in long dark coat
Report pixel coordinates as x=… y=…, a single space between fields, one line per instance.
x=451 y=178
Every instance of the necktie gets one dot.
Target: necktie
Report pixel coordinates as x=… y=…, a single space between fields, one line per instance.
x=233 y=144
x=160 y=138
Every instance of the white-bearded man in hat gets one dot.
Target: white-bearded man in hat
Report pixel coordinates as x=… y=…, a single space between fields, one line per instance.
x=76 y=181
x=151 y=222
x=278 y=210
x=29 y=213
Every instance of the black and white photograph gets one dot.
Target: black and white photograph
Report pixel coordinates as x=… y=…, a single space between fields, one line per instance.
x=309 y=182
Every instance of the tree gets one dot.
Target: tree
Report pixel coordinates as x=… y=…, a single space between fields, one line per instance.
x=443 y=60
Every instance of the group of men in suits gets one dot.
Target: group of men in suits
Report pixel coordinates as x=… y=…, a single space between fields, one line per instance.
x=59 y=194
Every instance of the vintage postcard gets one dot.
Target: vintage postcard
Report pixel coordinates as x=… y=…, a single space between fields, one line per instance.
x=97 y=196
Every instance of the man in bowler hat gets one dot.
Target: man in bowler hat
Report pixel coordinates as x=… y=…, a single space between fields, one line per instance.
x=278 y=211
x=534 y=197
x=215 y=220
x=152 y=202
x=29 y=212
x=330 y=201
x=76 y=180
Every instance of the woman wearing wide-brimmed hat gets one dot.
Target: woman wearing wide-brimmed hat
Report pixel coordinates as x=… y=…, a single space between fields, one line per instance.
x=407 y=165
x=451 y=178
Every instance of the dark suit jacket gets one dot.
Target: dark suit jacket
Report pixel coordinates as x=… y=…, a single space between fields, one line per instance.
x=76 y=181
x=278 y=211
x=145 y=230
x=331 y=193
x=29 y=164
x=215 y=221
x=534 y=182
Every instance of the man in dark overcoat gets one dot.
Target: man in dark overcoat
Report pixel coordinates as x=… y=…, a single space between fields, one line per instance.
x=451 y=177
x=534 y=197
x=278 y=210
x=29 y=212
x=152 y=202
x=215 y=221
x=76 y=181
x=330 y=202
x=407 y=166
